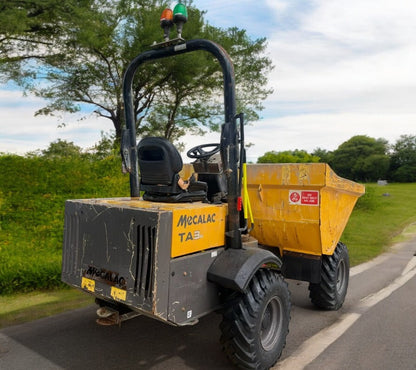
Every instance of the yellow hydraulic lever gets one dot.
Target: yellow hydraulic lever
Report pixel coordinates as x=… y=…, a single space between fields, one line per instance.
x=246 y=205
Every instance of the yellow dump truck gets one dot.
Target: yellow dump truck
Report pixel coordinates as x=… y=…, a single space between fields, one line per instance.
x=223 y=239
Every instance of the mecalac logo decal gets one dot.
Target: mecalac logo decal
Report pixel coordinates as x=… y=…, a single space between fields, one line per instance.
x=106 y=276
x=185 y=221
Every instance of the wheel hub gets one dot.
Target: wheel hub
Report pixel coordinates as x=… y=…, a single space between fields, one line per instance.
x=271 y=324
x=341 y=276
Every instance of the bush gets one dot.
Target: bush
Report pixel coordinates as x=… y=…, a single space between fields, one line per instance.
x=405 y=173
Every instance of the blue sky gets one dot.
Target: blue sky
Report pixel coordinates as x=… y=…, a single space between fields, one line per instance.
x=342 y=68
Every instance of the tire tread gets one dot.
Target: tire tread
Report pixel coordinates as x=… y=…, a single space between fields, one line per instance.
x=239 y=324
x=324 y=295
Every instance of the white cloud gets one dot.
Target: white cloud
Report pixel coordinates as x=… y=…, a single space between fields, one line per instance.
x=341 y=48
x=279 y=6
x=363 y=23
x=342 y=80
x=347 y=68
x=21 y=131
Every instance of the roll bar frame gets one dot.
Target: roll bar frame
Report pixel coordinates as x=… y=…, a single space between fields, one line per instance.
x=229 y=133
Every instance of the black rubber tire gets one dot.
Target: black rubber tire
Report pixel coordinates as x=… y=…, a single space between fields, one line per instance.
x=255 y=324
x=330 y=293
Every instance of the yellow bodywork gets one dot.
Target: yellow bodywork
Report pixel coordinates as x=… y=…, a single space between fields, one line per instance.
x=195 y=226
x=300 y=208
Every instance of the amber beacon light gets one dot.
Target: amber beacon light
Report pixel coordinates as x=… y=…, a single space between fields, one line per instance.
x=166 y=22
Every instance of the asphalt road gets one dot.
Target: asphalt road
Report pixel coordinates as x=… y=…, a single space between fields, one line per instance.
x=375 y=329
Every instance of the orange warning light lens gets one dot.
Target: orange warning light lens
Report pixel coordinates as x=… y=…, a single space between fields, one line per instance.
x=167 y=15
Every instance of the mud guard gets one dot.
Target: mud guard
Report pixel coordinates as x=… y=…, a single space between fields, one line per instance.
x=234 y=268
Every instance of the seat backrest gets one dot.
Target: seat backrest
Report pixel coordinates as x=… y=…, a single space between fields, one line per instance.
x=159 y=162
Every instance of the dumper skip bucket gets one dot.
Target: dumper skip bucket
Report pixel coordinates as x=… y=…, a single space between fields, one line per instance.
x=300 y=208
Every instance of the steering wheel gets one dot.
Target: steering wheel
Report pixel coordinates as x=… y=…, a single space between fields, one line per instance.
x=199 y=152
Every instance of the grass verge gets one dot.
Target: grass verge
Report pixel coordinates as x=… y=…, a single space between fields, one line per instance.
x=20 y=308
x=379 y=217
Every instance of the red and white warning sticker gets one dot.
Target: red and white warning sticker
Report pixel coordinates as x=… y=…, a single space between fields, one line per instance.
x=304 y=197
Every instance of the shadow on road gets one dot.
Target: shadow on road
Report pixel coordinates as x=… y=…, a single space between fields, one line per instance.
x=74 y=341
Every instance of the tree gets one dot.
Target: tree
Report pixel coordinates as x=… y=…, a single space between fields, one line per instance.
x=294 y=156
x=105 y=147
x=373 y=168
x=361 y=158
x=403 y=159
x=62 y=148
x=32 y=30
x=324 y=155
x=170 y=98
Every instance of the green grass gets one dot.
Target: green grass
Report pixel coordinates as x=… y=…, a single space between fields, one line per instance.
x=379 y=217
x=408 y=233
x=19 y=308
x=32 y=197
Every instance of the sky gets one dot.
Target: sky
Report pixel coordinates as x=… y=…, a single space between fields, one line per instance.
x=342 y=68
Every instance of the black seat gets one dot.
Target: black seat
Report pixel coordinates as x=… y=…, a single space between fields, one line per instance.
x=160 y=164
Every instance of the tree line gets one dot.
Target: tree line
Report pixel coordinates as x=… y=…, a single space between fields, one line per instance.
x=361 y=158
